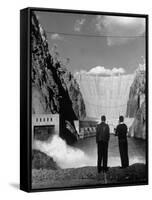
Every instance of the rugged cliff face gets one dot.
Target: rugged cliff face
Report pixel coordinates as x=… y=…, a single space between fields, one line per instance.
x=136 y=104
x=54 y=89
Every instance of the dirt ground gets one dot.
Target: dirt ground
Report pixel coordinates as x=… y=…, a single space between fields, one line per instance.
x=85 y=176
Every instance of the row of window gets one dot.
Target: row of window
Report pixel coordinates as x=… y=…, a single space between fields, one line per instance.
x=43 y=119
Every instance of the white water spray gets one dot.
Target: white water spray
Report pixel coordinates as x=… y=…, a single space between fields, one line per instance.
x=64 y=155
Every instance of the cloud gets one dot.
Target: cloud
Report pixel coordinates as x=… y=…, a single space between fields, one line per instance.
x=78 y=24
x=101 y=70
x=56 y=36
x=123 y=29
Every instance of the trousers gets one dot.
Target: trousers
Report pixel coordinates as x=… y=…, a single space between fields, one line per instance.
x=102 y=154
x=123 y=149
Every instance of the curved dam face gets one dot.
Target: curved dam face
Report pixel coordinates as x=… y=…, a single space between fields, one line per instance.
x=105 y=95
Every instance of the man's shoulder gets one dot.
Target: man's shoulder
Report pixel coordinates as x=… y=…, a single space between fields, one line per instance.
x=122 y=125
x=107 y=125
x=125 y=125
x=118 y=126
x=97 y=125
x=102 y=124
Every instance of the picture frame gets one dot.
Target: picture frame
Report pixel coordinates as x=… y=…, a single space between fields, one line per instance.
x=62 y=98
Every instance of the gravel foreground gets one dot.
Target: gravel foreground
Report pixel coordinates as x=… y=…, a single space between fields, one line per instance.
x=85 y=176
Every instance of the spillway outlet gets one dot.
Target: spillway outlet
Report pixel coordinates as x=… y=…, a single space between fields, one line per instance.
x=43 y=133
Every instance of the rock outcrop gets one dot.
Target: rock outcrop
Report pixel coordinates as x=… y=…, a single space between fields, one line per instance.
x=136 y=105
x=41 y=161
x=54 y=89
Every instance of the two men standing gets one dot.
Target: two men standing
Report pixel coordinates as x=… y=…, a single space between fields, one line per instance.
x=102 y=140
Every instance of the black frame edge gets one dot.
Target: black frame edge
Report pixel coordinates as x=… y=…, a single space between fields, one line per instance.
x=24 y=101
x=147 y=94
x=93 y=12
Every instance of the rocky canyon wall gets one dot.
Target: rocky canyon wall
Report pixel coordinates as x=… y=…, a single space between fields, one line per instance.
x=54 y=89
x=136 y=106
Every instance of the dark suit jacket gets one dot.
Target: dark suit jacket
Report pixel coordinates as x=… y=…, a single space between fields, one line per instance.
x=121 y=131
x=102 y=132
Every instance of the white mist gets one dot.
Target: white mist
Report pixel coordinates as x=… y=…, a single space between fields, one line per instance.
x=64 y=155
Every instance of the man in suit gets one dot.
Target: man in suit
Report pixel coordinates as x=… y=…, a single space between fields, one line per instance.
x=121 y=132
x=102 y=140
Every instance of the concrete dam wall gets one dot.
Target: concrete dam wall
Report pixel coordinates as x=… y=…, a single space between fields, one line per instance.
x=105 y=95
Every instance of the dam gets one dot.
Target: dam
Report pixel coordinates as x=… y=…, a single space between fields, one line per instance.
x=105 y=95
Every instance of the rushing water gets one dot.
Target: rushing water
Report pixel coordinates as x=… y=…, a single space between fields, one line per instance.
x=84 y=152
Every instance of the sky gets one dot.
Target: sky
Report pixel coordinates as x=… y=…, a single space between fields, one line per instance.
x=96 y=44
